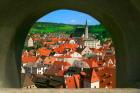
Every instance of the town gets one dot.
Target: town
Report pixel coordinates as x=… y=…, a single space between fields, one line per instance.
x=60 y=60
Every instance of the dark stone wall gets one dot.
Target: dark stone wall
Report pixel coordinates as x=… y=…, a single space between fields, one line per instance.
x=120 y=17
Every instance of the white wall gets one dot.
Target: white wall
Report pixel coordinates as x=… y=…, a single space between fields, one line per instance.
x=95 y=84
x=91 y=85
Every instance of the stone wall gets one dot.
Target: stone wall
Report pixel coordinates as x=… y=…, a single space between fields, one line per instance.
x=120 y=17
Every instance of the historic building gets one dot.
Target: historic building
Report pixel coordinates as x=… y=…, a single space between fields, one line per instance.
x=89 y=39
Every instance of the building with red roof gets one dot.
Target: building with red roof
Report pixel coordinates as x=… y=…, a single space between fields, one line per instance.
x=44 y=51
x=72 y=81
x=91 y=80
x=57 y=67
x=91 y=62
x=28 y=59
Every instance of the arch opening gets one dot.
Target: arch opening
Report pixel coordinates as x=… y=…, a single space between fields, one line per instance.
x=118 y=20
x=79 y=52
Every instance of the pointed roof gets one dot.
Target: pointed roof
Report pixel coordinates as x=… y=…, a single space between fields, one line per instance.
x=86 y=23
x=94 y=76
x=91 y=62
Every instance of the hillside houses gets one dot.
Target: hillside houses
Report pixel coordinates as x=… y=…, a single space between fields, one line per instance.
x=77 y=61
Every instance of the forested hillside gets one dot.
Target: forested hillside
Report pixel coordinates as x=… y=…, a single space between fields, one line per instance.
x=40 y=27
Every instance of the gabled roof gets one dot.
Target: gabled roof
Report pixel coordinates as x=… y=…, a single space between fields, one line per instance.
x=71 y=54
x=92 y=76
x=91 y=62
x=79 y=50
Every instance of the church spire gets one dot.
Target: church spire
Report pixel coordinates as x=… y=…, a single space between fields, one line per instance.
x=86 y=30
x=86 y=23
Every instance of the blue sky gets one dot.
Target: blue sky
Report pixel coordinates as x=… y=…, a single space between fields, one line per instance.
x=68 y=17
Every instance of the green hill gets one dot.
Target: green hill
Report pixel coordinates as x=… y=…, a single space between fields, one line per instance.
x=42 y=27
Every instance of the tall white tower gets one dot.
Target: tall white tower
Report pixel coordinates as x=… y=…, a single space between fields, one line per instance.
x=86 y=30
x=30 y=42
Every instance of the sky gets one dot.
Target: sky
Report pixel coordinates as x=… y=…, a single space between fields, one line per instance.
x=68 y=17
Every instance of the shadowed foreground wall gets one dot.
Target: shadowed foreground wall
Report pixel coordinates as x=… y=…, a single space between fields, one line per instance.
x=120 y=17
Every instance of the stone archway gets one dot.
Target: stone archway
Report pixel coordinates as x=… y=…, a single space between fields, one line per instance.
x=18 y=16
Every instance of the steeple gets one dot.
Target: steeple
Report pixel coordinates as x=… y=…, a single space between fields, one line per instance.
x=86 y=23
x=86 y=30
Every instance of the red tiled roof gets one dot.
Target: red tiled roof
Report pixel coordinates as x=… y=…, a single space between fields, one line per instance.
x=62 y=47
x=91 y=62
x=65 y=56
x=61 y=72
x=26 y=59
x=44 y=52
x=77 y=80
x=107 y=77
x=57 y=66
x=73 y=81
x=55 y=39
x=59 y=50
x=49 y=60
x=94 y=76
x=60 y=63
x=50 y=43
x=70 y=82
x=36 y=39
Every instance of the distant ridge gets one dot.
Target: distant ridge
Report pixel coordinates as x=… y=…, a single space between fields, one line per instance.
x=64 y=24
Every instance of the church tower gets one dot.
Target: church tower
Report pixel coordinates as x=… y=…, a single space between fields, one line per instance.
x=86 y=30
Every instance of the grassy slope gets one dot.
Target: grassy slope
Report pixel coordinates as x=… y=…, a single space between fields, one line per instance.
x=41 y=27
x=51 y=27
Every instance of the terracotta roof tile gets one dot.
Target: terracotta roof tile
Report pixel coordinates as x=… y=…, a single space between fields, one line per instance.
x=91 y=62
x=26 y=59
x=44 y=51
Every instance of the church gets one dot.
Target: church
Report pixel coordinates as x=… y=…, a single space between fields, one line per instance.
x=89 y=39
